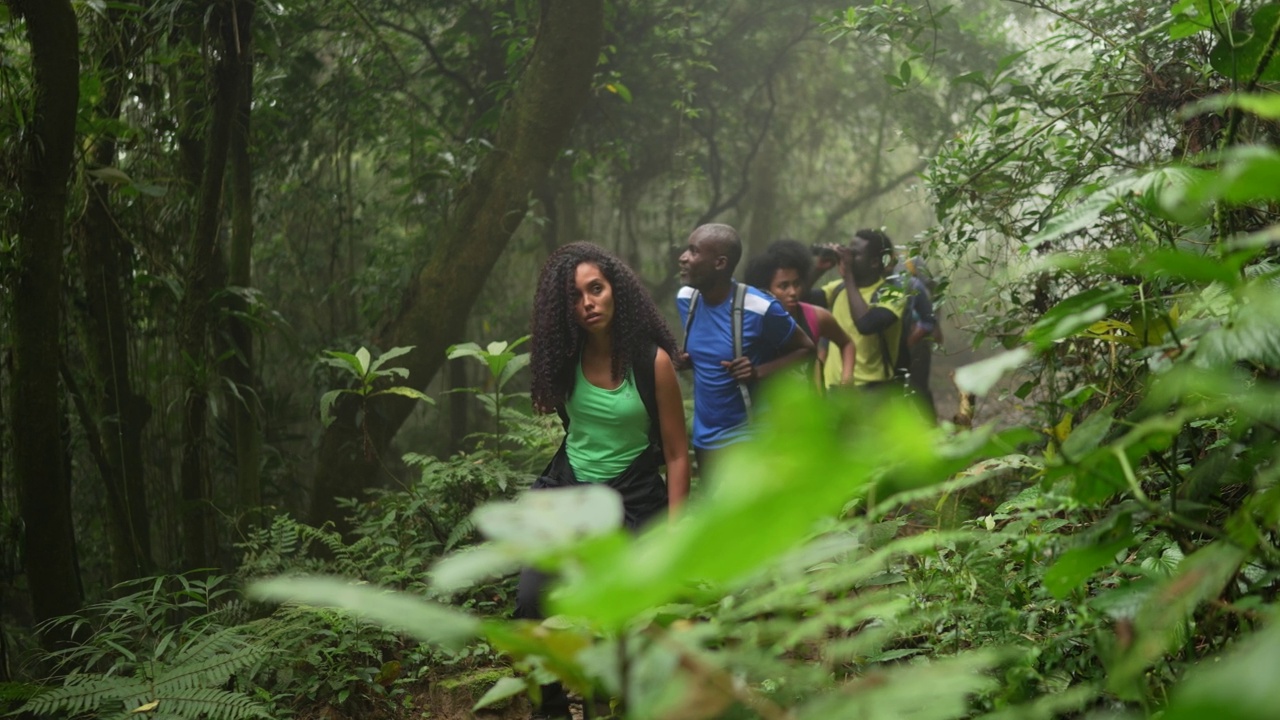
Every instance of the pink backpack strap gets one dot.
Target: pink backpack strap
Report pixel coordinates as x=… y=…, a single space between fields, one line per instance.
x=810 y=319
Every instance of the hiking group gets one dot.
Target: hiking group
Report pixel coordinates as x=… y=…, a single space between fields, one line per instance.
x=605 y=361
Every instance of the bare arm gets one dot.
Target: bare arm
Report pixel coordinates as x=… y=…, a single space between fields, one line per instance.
x=675 y=439
x=831 y=330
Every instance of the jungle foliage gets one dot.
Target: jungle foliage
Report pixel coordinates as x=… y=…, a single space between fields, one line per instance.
x=239 y=240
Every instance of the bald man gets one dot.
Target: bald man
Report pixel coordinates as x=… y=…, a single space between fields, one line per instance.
x=769 y=339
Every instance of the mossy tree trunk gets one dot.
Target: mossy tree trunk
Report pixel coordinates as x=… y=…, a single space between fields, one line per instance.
x=433 y=310
x=36 y=406
x=245 y=405
x=202 y=278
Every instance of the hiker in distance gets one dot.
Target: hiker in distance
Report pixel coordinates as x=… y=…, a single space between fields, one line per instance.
x=870 y=309
x=783 y=270
x=601 y=357
x=735 y=336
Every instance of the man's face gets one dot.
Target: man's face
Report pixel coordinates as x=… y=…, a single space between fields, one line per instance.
x=701 y=262
x=867 y=265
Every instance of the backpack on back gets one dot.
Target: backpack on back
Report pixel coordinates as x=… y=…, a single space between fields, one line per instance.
x=735 y=315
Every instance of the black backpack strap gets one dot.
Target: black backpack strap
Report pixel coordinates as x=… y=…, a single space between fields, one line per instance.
x=643 y=370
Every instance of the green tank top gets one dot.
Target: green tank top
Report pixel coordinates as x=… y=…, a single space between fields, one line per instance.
x=607 y=428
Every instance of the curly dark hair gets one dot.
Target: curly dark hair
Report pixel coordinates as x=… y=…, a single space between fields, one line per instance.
x=557 y=339
x=784 y=254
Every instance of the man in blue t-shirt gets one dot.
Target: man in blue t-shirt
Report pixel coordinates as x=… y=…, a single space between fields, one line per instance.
x=769 y=340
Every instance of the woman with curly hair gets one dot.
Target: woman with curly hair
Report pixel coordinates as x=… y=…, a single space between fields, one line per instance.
x=601 y=358
x=783 y=272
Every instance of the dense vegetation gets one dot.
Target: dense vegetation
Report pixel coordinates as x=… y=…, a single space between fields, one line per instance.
x=245 y=247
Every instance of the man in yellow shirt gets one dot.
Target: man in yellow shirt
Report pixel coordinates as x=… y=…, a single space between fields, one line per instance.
x=869 y=308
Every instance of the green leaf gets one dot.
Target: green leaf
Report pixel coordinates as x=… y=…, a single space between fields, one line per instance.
x=1088 y=435
x=114 y=176
x=427 y=621
x=464 y=569
x=550 y=519
x=362 y=357
x=980 y=377
x=620 y=90
x=1075 y=566
x=1194 y=16
x=1200 y=578
x=517 y=364
x=1265 y=106
x=348 y=362
x=497 y=347
x=939 y=690
x=1186 y=265
x=326 y=406
x=1240 y=61
x=1252 y=333
x=407 y=392
x=391 y=354
x=1237 y=685
x=469 y=349
x=1076 y=313
x=766 y=498
x=505 y=688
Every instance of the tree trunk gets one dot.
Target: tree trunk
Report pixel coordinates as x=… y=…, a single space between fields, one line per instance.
x=117 y=414
x=197 y=522
x=245 y=405
x=38 y=451
x=433 y=310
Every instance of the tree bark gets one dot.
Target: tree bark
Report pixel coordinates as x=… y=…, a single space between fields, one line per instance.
x=201 y=279
x=38 y=451
x=244 y=404
x=116 y=413
x=433 y=310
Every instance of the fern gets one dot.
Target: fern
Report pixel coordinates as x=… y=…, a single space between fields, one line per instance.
x=83 y=693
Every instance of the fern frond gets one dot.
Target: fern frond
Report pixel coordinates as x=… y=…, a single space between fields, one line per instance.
x=460 y=532
x=86 y=692
x=214 y=670
x=211 y=704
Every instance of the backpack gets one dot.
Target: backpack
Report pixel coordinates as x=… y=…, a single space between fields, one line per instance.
x=735 y=315
x=902 y=362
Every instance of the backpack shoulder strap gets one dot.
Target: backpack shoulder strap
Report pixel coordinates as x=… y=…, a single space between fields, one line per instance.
x=739 y=299
x=688 y=320
x=810 y=319
x=642 y=369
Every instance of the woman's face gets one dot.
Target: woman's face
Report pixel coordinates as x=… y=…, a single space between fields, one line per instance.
x=592 y=298
x=786 y=287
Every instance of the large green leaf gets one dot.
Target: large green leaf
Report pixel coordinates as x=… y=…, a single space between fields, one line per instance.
x=1077 y=313
x=1200 y=578
x=1239 y=61
x=939 y=690
x=980 y=377
x=1251 y=334
x=765 y=499
x=1075 y=566
x=1238 y=685
x=425 y=620
x=1194 y=16
x=1245 y=174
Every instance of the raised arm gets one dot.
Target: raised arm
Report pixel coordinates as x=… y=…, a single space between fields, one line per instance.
x=675 y=439
x=831 y=330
